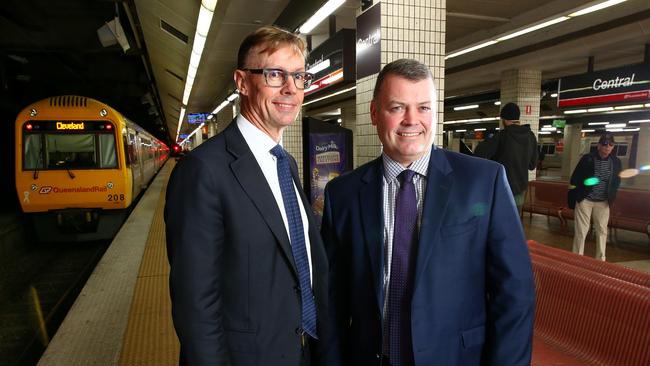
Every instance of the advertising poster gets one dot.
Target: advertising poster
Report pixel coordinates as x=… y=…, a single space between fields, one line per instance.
x=327 y=157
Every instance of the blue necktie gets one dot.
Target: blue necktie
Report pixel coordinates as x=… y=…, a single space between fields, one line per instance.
x=400 y=288
x=297 y=238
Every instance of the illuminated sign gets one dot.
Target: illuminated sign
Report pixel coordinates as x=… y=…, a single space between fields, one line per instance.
x=369 y=42
x=69 y=126
x=197 y=118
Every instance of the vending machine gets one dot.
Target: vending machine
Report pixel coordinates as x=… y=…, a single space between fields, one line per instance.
x=327 y=153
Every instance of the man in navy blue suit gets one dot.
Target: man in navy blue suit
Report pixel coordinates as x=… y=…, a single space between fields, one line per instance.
x=248 y=275
x=428 y=260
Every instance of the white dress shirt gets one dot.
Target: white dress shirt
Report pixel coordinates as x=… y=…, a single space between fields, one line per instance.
x=261 y=144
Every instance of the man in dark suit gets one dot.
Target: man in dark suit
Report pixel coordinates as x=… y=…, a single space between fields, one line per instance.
x=428 y=261
x=248 y=273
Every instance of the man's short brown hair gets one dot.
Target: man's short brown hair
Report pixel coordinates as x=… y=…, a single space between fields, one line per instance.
x=271 y=38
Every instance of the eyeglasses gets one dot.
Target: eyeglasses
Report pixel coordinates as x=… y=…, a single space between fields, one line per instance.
x=607 y=143
x=276 y=78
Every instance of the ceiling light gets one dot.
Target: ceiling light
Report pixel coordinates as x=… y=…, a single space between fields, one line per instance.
x=600 y=109
x=631 y=129
x=544 y=133
x=596 y=7
x=180 y=122
x=319 y=66
x=498 y=102
x=615 y=129
x=479 y=129
x=232 y=97
x=460 y=130
x=330 y=95
x=647 y=105
x=634 y=106
x=554 y=95
x=575 y=111
x=533 y=28
x=615 y=125
x=597 y=123
x=465 y=107
x=470 y=49
x=639 y=121
x=320 y=15
x=588 y=130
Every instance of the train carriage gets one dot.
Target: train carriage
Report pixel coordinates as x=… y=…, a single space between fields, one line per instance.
x=79 y=166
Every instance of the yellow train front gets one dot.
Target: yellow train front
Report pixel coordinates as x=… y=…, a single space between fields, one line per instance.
x=79 y=166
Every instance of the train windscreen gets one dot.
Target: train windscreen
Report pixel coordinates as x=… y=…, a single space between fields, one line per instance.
x=54 y=145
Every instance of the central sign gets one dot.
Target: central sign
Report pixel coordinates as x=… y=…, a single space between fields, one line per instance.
x=69 y=126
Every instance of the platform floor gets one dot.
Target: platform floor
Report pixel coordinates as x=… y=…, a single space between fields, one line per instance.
x=131 y=323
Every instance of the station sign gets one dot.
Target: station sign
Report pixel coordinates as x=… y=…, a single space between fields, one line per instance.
x=559 y=123
x=623 y=84
x=332 y=62
x=368 y=42
x=197 y=118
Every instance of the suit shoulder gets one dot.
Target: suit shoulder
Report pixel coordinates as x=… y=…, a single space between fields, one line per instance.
x=353 y=177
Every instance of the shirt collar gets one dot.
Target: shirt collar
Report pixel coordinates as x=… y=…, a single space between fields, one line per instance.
x=259 y=142
x=392 y=168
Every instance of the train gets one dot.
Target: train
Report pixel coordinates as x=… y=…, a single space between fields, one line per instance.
x=79 y=167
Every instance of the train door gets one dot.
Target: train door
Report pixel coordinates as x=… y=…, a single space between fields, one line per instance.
x=136 y=163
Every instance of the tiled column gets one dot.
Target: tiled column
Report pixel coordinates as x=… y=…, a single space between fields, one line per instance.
x=524 y=88
x=224 y=118
x=409 y=29
x=642 y=181
x=349 y=117
x=292 y=141
x=212 y=127
x=572 y=149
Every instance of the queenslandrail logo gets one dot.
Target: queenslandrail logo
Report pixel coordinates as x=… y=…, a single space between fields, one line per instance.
x=47 y=190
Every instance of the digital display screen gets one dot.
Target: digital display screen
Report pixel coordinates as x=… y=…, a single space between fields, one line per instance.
x=68 y=126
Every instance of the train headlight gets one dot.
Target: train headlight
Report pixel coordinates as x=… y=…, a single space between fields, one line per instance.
x=33 y=112
x=103 y=112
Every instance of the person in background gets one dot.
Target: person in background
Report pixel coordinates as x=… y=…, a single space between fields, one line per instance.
x=516 y=148
x=594 y=183
x=248 y=277
x=428 y=260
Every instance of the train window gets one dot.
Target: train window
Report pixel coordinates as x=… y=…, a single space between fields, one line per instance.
x=133 y=156
x=107 y=151
x=70 y=151
x=621 y=149
x=33 y=158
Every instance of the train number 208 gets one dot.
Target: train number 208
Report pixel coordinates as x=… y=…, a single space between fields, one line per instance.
x=116 y=197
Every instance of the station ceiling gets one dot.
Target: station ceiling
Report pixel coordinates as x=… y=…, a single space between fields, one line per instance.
x=52 y=47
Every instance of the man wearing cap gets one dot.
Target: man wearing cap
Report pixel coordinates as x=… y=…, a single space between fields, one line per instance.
x=594 y=184
x=516 y=148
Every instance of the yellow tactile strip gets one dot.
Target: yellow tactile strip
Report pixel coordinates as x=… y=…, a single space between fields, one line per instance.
x=150 y=338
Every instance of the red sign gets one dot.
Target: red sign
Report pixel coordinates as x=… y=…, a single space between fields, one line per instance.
x=529 y=109
x=620 y=97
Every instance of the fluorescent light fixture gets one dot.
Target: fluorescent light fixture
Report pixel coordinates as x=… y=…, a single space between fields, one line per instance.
x=320 y=66
x=575 y=111
x=632 y=129
x=589 y=130
x=490 y=119
x=470 y=49
x=633 y=106
x=533 y=28
x=597 y=123
x=460 y=130
x=452 y=122
x=554 y=95
x=544 y=133
x=339 y=120
x=550 y=117
x=210 y=117
x=479 y=129
x=180 y=122
x=498 y=102
x=462 y=108
x=600 y=109
x=548 y=128
x=639 y=121
x=232 y=97
x=320 y=15
x=193 y=133
x=497 y=128
x=615 y=129
x=647 y=105
x=330 y=95
x=615 y=125
x=596 y=7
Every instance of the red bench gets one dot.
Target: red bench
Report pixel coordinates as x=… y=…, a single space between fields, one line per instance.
x=584 y=317
x=546 y=198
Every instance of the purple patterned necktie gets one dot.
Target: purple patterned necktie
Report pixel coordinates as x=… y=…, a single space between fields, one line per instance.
x=400 y=288
x=297 y=238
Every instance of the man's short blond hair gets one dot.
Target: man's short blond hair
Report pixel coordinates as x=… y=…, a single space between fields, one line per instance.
x=269 y=39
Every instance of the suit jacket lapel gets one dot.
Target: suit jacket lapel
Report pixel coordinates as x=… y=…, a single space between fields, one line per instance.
x=436 y=199
x=250 y=177
x=372 y=217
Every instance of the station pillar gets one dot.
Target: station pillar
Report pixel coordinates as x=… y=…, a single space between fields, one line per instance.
x=572 y=149
x=523 y=87
x=408 y=29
